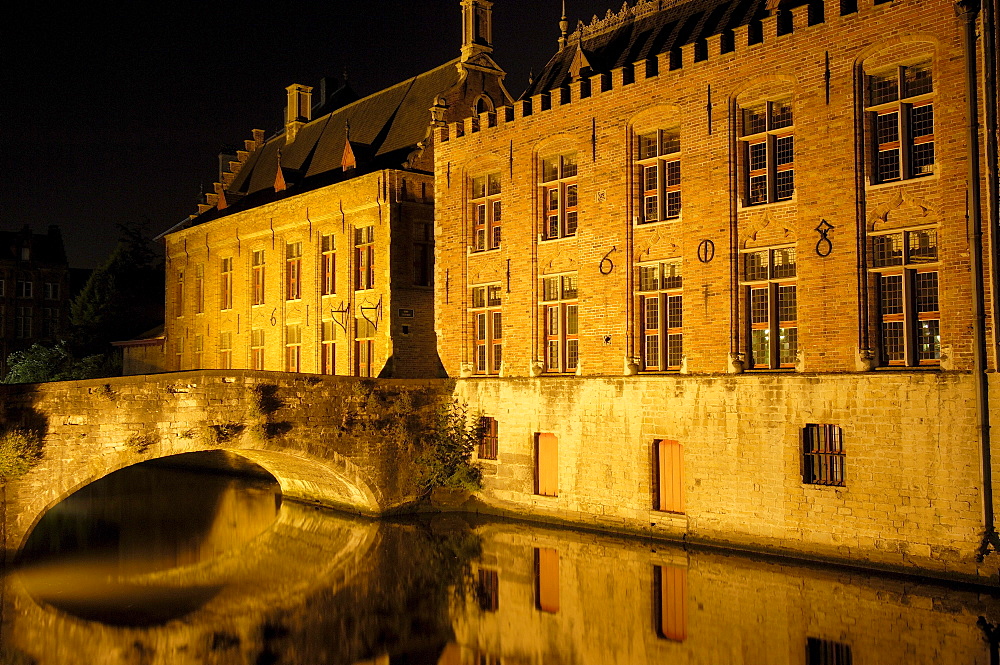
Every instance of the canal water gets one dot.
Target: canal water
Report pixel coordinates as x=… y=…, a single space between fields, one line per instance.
x=182 y=562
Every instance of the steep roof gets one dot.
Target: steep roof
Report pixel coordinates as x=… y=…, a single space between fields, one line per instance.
x=387 y=124
x=649 y=28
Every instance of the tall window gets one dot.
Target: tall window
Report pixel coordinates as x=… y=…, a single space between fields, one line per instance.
x=822 y=455
x=25 y=288
x=770 y=300
x=257 y=270
x=487 y=325
x=423 y=254
x=179 y=352
x=560 y=323
x=198 y=352
x=328 y=348
x=293 y=271
x=225 y=350
x=769 y=154
x=661 y=314
x=364 y=258
x=559 y=196
x=257 y=348
x=904 y=265
x=50 y=321
x=486 y=212
x=293 y=348
x=52 y=290
x=328 y=265
x=226 y=283
x=364 y=341
x=25 y=318
x=179 y=294
x=199 y=288
x=488 y=439
x=658 y=155
x=901 y=113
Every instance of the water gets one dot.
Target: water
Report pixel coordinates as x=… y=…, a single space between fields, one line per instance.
x=156 y=564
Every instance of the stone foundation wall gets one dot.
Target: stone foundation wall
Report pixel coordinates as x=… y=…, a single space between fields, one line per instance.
x=912 y=491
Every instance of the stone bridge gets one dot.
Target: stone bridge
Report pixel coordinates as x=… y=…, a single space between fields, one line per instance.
x=342 y=442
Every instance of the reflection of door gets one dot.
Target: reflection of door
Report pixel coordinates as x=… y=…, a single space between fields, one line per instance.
x=670 y=602
x=546 y=465
x=547 y=579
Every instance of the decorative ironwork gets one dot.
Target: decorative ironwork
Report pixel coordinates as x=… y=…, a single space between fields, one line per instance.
x=824 y=246
x=339 y=316
x=706 y=251
x=375 y=310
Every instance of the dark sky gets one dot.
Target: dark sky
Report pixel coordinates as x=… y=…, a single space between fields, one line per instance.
x=116 y=112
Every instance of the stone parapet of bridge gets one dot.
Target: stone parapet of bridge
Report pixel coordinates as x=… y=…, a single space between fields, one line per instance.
x=342 y=442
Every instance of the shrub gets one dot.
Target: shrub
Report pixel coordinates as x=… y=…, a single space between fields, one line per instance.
x=448 y=444
x=20 y=449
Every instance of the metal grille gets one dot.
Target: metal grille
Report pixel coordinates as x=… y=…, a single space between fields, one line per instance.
x=488 y=439
x=822 y=455
x=827 y=652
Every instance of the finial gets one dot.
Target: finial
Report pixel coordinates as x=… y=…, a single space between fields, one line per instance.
x=563 y=26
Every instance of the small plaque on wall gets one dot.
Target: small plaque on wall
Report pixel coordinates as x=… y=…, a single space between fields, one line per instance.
x=406 y=313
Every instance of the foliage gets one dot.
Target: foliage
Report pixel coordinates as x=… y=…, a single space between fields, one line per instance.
x=122 y=298
x=40 y=363
x=446 y=460
x=140 y=443
x=20 y=449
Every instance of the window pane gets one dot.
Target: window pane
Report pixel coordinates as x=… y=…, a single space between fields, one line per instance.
x=671 y=142
x=673 y=173
x=550 y=288
x=651 y=208
x=784 y=262
x=786 y=304
x=887 y=250
x=754 y=120
x=887 y=127
x=493 y=296
x=891 y=294
x=569 y=286
x=922 y=246
x=788 y=345
x=571 y=222
x=494 y=183
x=550 y=169
x=917 y=80
x=759 y=310
x=572 y=327
x=923 y=158
x=922 y=120
x=675 y=312
x=671 y=275
x=552 y=321
x=756 y=264
x=673 y=204
x=649 y=178
x=927 y=292
x=675 y=349
x=760 y=348
x=649 y=278
x=888 y=165
x=497 y=325
x=892 y=341
x=651 y=313
x=884 y=88
x=479 y=296
x=758 y=189
x=781 y=114
x=571 y=196
x=572 y=354
x=784 y=150
x=758 y=156
x=647 y=145
x=569 y=165
x=651 y=349
x=929 y=339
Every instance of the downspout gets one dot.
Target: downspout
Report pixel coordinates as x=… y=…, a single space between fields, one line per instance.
x=968 y=11
x=992 y=181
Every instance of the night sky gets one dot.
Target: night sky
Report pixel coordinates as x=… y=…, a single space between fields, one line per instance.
x=117 y=114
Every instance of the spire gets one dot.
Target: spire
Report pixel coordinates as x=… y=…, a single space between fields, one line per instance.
x=563 y=27
x=477 y=28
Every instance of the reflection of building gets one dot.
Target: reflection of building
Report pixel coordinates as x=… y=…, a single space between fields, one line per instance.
x=34 y=289
x=315 y=253
x=762 y=228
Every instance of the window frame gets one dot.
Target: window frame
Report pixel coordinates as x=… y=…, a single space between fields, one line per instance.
x=293 y=270
x=662 y=191
x=560 y=324
x=199 y=288
x=328 y=264
x=293 y=347
x=328 y=348
x=364 y=346
x=823 y=459
x=257 y=341
x=773 y=284
x=258 y=275
x=226 y=283
x=487 y=211
x=669 y=301
x=364 y=258
x=769 y=137
x=488 y=446
x=908 y=268
x=486 y=322
x=225 y=350
x=902 y=137
x=560 y=196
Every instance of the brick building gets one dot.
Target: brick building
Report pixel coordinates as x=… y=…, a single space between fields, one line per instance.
x=741 y=289
x=34 y=289
x=315 y=252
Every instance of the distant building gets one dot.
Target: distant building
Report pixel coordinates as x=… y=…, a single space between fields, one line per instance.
x=744 y=283
x=315 y=252
x=34 y=290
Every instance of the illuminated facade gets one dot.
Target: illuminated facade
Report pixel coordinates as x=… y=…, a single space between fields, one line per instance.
x=315 y=253
x=716 y=275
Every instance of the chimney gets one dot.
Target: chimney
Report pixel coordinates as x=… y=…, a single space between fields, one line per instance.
x=299 y=110
x=477 y=28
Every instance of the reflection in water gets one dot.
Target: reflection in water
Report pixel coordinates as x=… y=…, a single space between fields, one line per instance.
x=161 y=565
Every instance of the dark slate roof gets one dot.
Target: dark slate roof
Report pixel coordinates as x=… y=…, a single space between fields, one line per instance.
x=387 y=126
x=641 y=32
